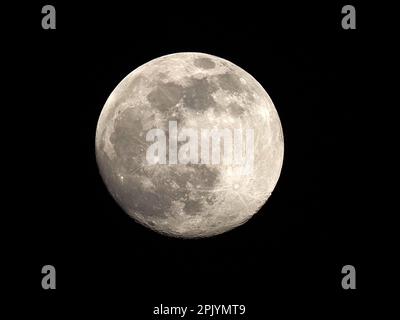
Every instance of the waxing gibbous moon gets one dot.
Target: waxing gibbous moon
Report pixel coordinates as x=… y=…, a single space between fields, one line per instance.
x=197 y=91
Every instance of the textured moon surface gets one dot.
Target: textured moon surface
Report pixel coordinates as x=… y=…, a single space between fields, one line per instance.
x=197 y=91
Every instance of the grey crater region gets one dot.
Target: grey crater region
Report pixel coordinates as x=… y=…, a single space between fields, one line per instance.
x=198 y=91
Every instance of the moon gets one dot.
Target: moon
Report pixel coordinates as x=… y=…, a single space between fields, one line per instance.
x=189 y=199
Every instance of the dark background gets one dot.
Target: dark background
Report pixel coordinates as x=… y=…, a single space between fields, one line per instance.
x=288 y=258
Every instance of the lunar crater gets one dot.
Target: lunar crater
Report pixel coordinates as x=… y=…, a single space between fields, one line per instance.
x=204 y=63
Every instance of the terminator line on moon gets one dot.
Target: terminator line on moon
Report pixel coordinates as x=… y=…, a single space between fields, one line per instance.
x=198 y=91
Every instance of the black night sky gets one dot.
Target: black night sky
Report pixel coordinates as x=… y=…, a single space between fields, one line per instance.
x=287 y=259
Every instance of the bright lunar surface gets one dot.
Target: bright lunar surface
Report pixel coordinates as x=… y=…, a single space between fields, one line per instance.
x=185 y=198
